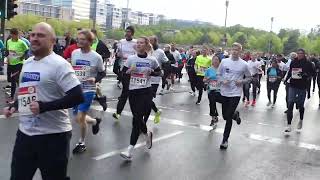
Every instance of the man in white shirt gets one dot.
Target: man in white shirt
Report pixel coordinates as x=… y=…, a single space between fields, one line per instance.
x=126 y=48
x=255 y=69
x=232 y=70
x=48 y=87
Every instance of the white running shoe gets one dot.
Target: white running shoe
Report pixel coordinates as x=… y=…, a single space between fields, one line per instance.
x=269 y=103
x=161 y=92
x=149 y=137
x=192 y=93
x=272 y=106
x=127 y=155
x=288 y=129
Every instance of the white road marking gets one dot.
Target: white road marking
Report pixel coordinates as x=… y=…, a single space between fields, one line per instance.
x=116 y=152
x=256 y=137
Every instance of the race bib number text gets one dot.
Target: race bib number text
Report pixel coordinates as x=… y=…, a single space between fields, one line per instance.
x=26 y=96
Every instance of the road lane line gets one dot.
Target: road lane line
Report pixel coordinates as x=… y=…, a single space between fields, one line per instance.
x=256 y=137
x=116 y=152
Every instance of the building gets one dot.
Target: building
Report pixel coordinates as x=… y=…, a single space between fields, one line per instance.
x=45 y=10
x=143 y=18
x=154 y=19
x=130 y=16
x=98 y=12
x=81 y=8
x=114 y=17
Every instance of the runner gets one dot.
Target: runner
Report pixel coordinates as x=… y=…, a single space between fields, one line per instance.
x=317 y=67
x=155 y=80
x=203 y=62
x=274 y=77
x=191 y=71
x=178 y=58
x=48 y=86
x=89 y=69
x=101 y=48
x=315 y=61
x=300 y=71
x=169 y=73
x=293 y=55
x=126 y=47
x=255 y=69
x=18 y=50
x=141 y=67
x=214 y=95
x=232 y=71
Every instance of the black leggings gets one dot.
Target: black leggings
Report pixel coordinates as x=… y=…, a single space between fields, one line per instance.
x=192 y=78
x=200 y=86
x=214 y=97
x=140 y=103
x=124 y=94
x=275 y=88
x=229 y=106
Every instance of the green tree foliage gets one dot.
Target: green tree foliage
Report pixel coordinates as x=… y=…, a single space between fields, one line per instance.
x=25 y=23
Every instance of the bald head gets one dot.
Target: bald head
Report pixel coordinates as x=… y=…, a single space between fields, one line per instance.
x=46 y=28
x=42 y=39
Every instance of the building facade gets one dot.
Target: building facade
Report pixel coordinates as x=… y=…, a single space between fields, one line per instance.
x=45 y=10
x=114 y=17
x=80 y=8
x=98 y=11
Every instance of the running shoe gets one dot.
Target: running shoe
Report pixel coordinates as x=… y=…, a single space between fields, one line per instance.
x=157 y=117
x=149 y=140
x=103 y=102
x=214 y=120
x=127 y=155
x=272 y=106
x=161 y=92
x=247 y=104
x=286 y=111
x=168 y=87
x=119 y=85
x=269 y=103
x=192 y=93
x=116 y=116
x=253 y=103
x=96 y=127
x=288 y=129
x=80 y=148
x=299 y=127
x=198 y=103
x=224 y=145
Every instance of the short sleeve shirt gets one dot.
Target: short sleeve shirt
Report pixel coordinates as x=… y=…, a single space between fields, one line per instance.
x=140 y=78
x=48 y=79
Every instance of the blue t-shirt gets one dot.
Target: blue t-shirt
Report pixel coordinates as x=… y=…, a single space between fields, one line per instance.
x=212 y=75
x=273 y=72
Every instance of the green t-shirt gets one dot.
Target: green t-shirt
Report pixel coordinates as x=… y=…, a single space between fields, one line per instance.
x=202 y=64
x=95 y=44
x=16 y=50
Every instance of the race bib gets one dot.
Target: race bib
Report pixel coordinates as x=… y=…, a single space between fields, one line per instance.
x=26 y=96
x=272 y=79
x=138 y=79
x=82 y=72
x=213 y=85
x=296 y=73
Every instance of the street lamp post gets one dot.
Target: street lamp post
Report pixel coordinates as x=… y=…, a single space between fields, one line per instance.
x=270 y=40
x=225 y=25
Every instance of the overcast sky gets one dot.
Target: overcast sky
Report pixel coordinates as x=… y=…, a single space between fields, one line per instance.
x=300 y=14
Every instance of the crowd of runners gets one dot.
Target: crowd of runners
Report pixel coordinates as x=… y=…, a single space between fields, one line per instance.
x=47 y=79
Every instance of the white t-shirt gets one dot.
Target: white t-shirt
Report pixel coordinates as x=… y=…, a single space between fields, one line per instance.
x=45 y=80
x=282 y=66
x=232 y=71
x=254 y=67
x=161 y=58
x=140 y=79
x=87 y=65
x=287 y=66
x=126 y=48
x=176 y=56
